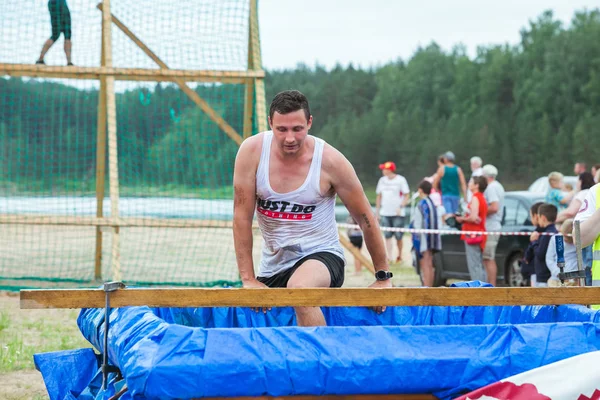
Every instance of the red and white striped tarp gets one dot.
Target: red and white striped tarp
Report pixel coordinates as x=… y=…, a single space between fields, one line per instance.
x=576 y=378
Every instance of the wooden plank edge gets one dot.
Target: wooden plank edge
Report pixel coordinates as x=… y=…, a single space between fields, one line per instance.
x=309 y=297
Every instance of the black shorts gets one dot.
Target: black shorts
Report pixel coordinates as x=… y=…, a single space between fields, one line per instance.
x=357 y=241
x=60 y=19
x=334 y=264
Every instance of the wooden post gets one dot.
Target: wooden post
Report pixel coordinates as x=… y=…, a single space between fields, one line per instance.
x=259 y=83
x=113 y=166
x=357 y=253
x=100 y=163
x=200 y=102
x=249 y=98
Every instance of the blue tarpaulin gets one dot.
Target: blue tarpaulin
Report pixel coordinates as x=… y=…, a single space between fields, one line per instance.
x=168 y=353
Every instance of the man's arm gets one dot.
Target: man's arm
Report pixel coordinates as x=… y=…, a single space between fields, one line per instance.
x=493 y=208
x=377 y=205
x=590 y=229
x=438 y=176
x=244 y=201
x=463 y=183
x=570 y=212
x=346 y=184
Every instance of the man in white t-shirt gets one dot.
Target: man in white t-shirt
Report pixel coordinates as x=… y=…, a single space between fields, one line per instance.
x=393 y=194
x=494 y=195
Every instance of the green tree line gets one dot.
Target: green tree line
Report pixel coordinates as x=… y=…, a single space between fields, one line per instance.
x=528 y=108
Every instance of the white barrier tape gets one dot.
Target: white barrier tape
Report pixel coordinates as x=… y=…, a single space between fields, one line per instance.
x=450 y=232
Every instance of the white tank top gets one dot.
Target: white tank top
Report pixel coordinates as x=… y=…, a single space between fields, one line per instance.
x=297 y=223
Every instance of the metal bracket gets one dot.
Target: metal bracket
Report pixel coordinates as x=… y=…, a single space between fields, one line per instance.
x=106 y=368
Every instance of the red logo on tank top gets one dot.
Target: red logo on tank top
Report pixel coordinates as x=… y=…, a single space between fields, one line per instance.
x=284 y=210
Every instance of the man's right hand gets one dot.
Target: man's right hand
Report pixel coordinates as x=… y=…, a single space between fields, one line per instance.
x=255 y=284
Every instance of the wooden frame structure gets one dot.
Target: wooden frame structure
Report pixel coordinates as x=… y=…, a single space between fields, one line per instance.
x=254 y=105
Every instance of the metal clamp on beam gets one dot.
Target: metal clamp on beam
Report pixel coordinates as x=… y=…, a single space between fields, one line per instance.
x=106 y=368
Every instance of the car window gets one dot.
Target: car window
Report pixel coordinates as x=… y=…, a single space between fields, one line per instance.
x=522 y=214
x=511 y=207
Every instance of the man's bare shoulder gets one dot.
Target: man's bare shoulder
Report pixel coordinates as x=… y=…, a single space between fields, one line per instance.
x=333 y=159
x=250 y=149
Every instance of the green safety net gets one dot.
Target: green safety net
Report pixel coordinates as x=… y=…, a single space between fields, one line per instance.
x=174 y=162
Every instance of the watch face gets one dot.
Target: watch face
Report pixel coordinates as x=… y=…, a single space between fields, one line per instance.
x=381 y=275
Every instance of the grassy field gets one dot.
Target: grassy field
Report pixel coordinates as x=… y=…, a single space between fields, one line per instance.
x=26 y=332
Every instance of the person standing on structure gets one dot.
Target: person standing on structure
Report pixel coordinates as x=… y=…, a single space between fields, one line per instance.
x=393 y=194
x=291 y=179
x=60 y=20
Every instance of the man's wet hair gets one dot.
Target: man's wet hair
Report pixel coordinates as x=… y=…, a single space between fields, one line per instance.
x=289 y=101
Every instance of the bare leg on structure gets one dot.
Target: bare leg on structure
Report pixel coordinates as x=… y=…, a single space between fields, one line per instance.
x=310 y=274
x=68 y=51
x=45 y=49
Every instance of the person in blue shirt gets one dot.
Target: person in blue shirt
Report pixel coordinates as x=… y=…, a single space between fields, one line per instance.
x=555 y=195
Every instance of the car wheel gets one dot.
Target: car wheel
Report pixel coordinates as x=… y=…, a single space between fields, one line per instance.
x=513 y=276
x=416 y=265
x=438 y=279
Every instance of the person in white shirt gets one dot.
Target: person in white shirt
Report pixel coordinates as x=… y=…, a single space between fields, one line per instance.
x=494 y=195
x=476 y=166
x=476 y=170
x=589 y=216
x=584 y=183
x=291 y=179
x=393 y=195
x=570 y=255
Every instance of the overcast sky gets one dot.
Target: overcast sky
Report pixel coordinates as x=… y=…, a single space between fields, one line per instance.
x=374 y=32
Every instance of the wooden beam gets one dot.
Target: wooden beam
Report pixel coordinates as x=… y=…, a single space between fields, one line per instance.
x=195 y=97
x=113 y=162
x=249 y=97
x=333 y=297
x=122 y=222
x=357 y=253
x=100 y=162
x=259 y=83
x=128 y=74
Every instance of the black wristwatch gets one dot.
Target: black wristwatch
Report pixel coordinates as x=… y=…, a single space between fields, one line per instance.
x=382 y=275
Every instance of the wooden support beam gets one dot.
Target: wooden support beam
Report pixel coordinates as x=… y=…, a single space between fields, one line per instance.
x=100 y=162
x=333 y=297
x=357 y=253
x=195 y=97
x=259 y=83
x=249 y=97
x=127 y=74
x=122 y=222
x=113 y=163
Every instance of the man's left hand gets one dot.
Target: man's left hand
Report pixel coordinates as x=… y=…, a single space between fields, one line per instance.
x=380 y=285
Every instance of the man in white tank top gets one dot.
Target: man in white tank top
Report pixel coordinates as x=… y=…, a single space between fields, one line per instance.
x=291 y=179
